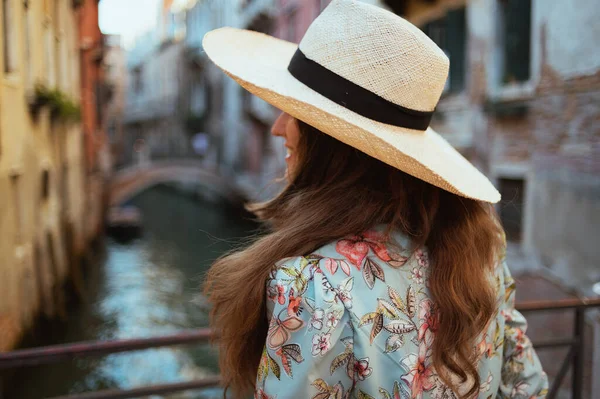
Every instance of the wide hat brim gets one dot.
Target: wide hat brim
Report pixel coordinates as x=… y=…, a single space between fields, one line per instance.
x=259 y=62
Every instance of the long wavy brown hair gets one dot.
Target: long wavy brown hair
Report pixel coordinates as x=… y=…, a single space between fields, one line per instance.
x=338 y=191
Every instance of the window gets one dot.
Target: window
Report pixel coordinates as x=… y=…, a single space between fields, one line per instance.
x=449 y=33
x=515 y=40
x=138 y=81
x=9 y=40
x=511 y=207
x=45 y=184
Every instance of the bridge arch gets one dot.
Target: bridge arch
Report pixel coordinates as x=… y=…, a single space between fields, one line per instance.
x=130 y=182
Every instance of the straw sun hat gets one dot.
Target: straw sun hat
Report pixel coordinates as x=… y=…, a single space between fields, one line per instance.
x=363 y=75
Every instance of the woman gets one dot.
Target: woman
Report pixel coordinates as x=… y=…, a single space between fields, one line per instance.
x=382 y=275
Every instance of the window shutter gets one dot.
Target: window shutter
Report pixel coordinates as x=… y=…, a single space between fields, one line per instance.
x=456 y=44
x=517 y=40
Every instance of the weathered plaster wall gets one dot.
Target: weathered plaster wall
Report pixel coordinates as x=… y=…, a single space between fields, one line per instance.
x=572 y=36
x=33 y=246
x=565 y=192
x=558 y=108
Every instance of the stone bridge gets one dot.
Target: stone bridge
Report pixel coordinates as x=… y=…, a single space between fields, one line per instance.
x=129 y=182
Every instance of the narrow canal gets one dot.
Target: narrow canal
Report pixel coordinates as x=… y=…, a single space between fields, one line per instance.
x=148 y=287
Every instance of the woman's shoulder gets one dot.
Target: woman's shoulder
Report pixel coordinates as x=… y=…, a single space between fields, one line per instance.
x=388 y=245
x=365 y=270
x=360 y=253
x=376 y=279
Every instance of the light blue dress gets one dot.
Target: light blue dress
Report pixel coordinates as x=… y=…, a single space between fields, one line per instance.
x=355 y=320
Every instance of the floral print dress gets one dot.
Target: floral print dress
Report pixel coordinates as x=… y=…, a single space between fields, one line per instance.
x=355 y=320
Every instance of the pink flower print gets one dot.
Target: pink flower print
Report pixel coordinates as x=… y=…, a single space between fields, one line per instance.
x=321 y=344
x=332 y=320
x=346 y=298
x=428 y=318
x=280 y=292
x=294 y=302
x=316 y=321
x=356 y=248
x=384 y=249
x=522 y=343
x=362 y=369
x=377 y=242
x=422 y=258
x=420 y=376
x=485 y=348
x=353 y=248
x=417 y=275
x=333 y=264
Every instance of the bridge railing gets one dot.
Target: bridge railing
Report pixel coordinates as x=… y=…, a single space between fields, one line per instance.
x=58 y=353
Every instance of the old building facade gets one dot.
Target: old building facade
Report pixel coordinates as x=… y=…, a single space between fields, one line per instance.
x=211 y=97
x=523 y=103
x=155 y=116
x=43 y=210
x=152 y=111
x=115 y=76
x=94 y=96
x=237 y=123
x=522 y=92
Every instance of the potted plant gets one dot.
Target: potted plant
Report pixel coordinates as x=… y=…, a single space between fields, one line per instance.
x=60 y=105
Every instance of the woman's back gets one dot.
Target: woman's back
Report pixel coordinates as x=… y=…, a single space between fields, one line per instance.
x=356 y=319
x=355 y=316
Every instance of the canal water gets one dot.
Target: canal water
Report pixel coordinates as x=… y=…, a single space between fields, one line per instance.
x=144 y=288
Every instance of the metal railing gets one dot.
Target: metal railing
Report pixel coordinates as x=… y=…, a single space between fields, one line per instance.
x=58 y=353
x=576 y=344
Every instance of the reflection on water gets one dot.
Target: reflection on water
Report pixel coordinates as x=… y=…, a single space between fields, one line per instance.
x=145 y=288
